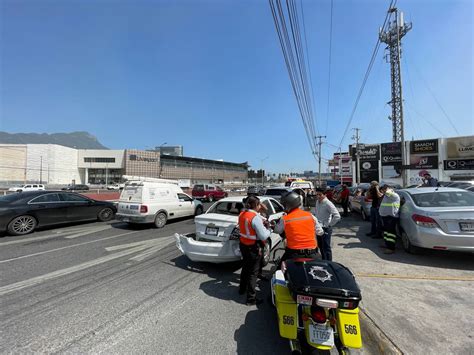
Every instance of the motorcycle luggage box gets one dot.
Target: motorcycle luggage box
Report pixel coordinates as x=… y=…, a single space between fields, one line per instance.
x=323 y=279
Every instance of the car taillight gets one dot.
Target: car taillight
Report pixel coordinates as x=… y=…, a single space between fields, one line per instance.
x=318 y=314
x=143 y=209
x=235 y=235
x=424 y=221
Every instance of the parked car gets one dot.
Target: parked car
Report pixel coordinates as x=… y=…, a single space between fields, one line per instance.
x=256 y=190
x=76 y=187
x=208 y=192
x=27 y=187
x=470 y=188
x=461 y=184
x=360 y=201
x=155 y=201
x=277 y=192
x=23 y=213
x=437 y=218
x=217 y=234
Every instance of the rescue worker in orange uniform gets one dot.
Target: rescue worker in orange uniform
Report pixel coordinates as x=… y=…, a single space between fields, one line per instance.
x=300 y=229
x=252 y=234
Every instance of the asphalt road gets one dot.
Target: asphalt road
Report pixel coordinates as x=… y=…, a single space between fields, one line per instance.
x=108 y=288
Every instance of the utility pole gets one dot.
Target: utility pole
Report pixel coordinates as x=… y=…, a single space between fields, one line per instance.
x=319 y=158
x=356 y=137
x=41 y=169
x=392 y=37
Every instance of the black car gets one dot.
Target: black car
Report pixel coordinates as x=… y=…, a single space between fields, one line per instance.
x=22 y=213
x=77 y=187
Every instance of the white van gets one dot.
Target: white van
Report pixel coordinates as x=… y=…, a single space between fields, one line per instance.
x=149 y=200
x=301 y=184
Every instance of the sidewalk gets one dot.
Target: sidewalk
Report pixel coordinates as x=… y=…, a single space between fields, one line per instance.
x=423 y=303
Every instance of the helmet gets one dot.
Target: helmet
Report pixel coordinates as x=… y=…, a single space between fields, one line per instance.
x=291 y=200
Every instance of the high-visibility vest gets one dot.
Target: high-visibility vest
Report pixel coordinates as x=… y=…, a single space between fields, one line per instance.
x=300 y=230
x=248 y=235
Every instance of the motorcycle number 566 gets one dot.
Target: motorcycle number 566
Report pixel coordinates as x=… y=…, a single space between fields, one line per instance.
x=290 y=320
x=350 y=329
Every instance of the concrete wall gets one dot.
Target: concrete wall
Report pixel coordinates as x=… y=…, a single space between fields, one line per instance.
x=118 y=155
x=13 y=163
x=52 y=164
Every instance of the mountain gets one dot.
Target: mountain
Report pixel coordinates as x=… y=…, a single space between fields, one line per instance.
x=79 y=140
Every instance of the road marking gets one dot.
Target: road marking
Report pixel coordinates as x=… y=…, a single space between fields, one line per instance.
x=130 y=248
x=408 y=277
x=64 y=234
x=66 y=247
x=86 y=233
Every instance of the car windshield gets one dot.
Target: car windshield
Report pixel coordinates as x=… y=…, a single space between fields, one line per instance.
x=198 y=188
x=444 y=199
x=275 y=192
x=230 y=208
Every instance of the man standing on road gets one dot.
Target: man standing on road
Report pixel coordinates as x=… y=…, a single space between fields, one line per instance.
x=252 y=231
x=429 y=181
x=376 y=196
x=345 y=199
x=388 y=210
x=299 y=227
x=327 y=215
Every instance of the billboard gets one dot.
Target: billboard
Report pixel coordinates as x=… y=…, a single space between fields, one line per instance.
x=391 y=153
x=429 y=146
x=459 y=164
x=459 y=148
x=369 y=170
x=424 y=162
x=415 y=176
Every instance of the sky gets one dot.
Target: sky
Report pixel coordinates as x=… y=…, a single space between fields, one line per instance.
x=210 y=75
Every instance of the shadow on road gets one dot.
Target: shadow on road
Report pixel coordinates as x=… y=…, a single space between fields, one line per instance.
x=425 y=257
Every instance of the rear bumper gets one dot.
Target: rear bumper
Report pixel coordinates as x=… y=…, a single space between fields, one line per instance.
x=433 y=238
x=134 y=219
x=211 y=252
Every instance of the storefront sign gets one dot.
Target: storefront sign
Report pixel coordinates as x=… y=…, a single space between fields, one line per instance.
x=369 y=152
x=423 y=147
x=424 y=161
x=369 y=170
x=391 y=153
x=461 y=147
x=459 y=164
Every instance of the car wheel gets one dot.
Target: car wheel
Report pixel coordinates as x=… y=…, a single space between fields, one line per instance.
x=364 y=215
x=22 y=225
x=106 y=214
x=160 y=220
x=210 y=198
x=266 y=252
x=409 y=248
x=198 y=211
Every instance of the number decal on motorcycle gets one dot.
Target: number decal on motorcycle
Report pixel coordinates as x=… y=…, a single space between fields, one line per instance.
x=290 y=320
x=350 y=329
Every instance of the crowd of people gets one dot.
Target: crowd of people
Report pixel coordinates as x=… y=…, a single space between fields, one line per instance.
x=307 y=231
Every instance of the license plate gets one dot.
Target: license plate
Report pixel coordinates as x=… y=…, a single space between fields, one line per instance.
x=321 y=334
x=211 y=230
x=125 y=219
x=301 y=299
x=466 y=226
x=134 y=207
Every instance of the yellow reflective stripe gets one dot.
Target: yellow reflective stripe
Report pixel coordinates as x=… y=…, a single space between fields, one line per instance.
x=252 y=237
x=298 y=219
x=394 y=204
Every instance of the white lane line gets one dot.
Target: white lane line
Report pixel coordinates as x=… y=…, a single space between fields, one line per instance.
x=135 y=248
x=86 y=233
x=66 y=247
x=39 y=238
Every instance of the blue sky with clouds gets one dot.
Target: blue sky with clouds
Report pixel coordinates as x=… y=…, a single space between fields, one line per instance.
x=210 y=75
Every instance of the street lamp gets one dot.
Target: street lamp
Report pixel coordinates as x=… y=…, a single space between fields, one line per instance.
x=261 y=166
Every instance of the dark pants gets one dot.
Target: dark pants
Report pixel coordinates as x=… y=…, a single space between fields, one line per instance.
x=376 y=222
x=324 y=244
x=293 y=254
x=390 y=231
x=345 y=204
x=251 y=256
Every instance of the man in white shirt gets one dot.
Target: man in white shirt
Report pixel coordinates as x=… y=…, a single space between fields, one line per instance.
x=327 y=215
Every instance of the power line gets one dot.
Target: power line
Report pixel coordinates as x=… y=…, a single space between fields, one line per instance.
x=367 y=73
x=329 y=69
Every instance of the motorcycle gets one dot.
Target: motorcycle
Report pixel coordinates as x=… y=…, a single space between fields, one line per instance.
x=317 y=305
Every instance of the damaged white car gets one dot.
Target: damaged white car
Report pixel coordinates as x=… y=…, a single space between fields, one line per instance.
x=217 y=234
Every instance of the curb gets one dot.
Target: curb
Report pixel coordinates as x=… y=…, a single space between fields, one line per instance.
x=375 y=338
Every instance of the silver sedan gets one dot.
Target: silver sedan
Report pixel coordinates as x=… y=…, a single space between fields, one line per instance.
x=437 y=218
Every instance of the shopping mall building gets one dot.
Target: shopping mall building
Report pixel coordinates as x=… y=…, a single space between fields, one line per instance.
x=56 y=165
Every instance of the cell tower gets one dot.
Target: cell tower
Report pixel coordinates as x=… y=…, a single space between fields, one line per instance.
x=392 y=37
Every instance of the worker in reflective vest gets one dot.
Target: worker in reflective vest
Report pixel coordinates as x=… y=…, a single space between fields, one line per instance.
x=300 y=229
x=252 y=233
x=388 y=210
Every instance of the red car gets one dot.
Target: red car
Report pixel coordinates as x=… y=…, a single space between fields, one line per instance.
x=208 y=192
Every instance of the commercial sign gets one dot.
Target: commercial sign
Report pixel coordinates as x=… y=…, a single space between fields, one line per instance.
x=459 y=164
x=369 y=152
x=369 y=170
x=391 y=153
x=423 y=147
x=461 y=147
x=424 y=161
